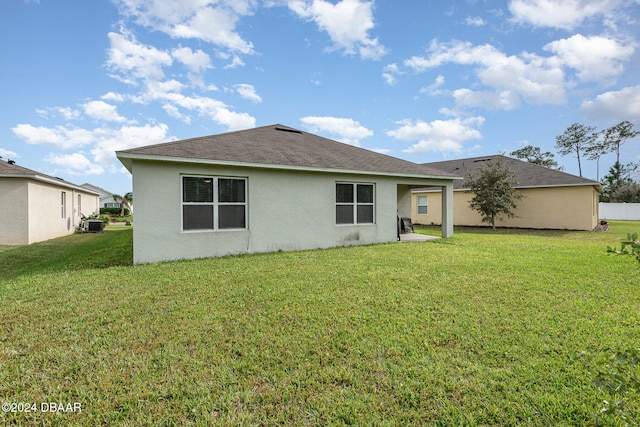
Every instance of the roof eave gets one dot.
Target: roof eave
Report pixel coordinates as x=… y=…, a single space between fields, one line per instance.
x=53 y=181
x=523 y=187
x=127 y=160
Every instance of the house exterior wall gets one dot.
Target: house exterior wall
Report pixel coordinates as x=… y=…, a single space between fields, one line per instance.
x=572 y=208
x=31 y=210
x=287 y=210
x=14 y=211
x=45 y=210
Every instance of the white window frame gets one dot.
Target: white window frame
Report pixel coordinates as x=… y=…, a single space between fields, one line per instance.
x=355 y=202
x=425 y=205
x=79 y=203
x=63 y=204
x=215 y=204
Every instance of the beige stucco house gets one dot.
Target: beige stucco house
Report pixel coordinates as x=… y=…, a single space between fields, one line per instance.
x=268 y=189
x=36 y=207
x=553 y=199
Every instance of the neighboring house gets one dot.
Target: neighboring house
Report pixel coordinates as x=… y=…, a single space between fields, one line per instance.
x=553 y=199
x=268 y=189
x=36 y=207
x=106 y=197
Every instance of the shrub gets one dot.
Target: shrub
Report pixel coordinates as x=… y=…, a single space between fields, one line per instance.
x=615 y=373
x=630 y=246
x=114 y=211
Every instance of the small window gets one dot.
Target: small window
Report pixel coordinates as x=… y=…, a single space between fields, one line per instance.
x=79 y=203
x=212 y=203
x=231 y=203
x=63 y=204
x=344 y=204
x=365 y=203
x=423 y=207
x=197 y=203
x=355 y=203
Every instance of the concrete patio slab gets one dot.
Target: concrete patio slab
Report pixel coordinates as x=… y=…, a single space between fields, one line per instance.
x=413 y=237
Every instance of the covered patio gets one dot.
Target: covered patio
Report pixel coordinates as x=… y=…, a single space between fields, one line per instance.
x=405 y=209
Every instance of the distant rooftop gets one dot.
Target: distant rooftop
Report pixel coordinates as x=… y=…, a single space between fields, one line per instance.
x=13 y=170
x=526 y=174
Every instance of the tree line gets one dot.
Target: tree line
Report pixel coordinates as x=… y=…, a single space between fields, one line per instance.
x=584 y=141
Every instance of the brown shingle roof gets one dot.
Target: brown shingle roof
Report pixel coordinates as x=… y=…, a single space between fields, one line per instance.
x=7 y=168
x=15 y=171
x=526 y=174
x=280 y=146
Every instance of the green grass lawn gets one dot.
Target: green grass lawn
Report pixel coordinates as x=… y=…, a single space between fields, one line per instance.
x=484 y=328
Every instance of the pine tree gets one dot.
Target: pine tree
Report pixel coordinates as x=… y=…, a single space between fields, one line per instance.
x=576 y=139
x=534 y=155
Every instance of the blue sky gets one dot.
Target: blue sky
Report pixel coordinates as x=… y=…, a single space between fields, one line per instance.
x=420 y=80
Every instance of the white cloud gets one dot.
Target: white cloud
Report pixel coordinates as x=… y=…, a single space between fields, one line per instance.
x=474 y=21
x=66 y=113
x=210 y=21
x=618 y=105
x=132 y=60
x=6 y=154
x=595 y=58
x=61 y=136
x=113 y=96
x=159 y=89
x=347 y=130
x=381 y=150
x=492 y=100
x=102 y=141
x=438 y=135
x=563 y=14
x=434 y=88
x=197 y=62
x=108 y=141
x=142 y=65
x=102 y=111
x=247 y=91
x=347 y=22
x=390 y=74
x=508 y=79
x=167 y=93
x=236 y=62
x=74 y=164
x=174 y=112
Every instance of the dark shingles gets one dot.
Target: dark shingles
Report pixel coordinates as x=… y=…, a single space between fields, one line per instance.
x=279 y=145
x=7 y=168
x=13 y=170
x=526 y=174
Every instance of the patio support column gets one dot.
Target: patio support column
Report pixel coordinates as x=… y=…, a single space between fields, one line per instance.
x=447 y=210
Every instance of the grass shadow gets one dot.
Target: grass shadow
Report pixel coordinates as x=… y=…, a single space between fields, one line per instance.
x=435 y=230
x=85 y=251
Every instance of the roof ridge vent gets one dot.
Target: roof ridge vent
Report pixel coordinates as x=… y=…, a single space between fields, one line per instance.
x=285 y=129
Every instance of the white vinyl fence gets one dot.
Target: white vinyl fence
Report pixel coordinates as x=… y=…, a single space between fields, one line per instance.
x=624 y=211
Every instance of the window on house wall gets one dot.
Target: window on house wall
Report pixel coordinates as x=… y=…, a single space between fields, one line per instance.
x=79 y=204
x=423 y=205
x=355 y=203
x=213 y=203
x=63 y=204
